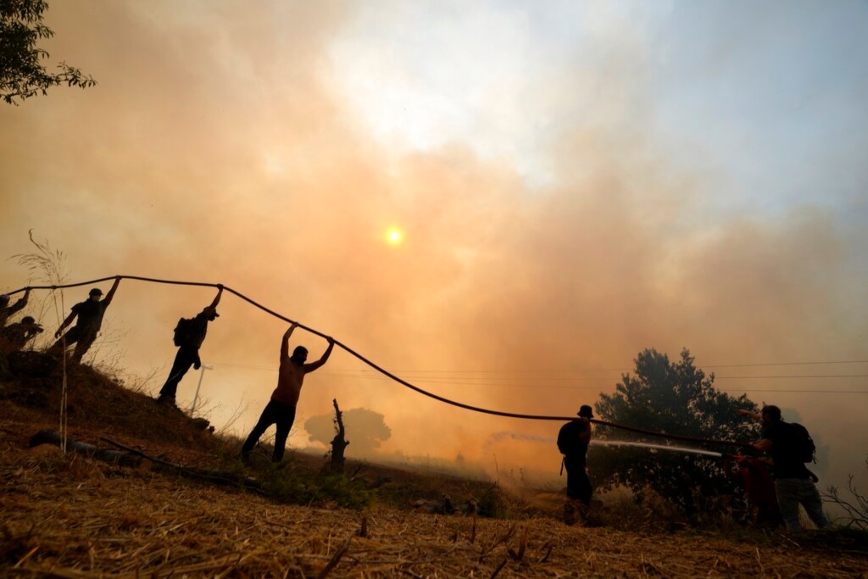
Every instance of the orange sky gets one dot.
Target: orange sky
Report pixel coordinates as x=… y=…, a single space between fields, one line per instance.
x=218 y=147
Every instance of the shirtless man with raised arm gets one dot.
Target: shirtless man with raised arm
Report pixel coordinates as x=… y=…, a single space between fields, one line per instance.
x=280 y=410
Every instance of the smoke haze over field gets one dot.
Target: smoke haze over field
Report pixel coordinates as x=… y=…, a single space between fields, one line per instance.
x=574 y=182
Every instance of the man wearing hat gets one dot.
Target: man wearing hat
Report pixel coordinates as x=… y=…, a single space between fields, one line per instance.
x=189 y=336
x=6 y=310
x=573 y=440
x=89 y=316
x=15 y=336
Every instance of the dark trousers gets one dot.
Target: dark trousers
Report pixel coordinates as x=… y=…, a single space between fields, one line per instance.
x=578 y=483
x=82 y=337
x=280 y=414
x=184 y=359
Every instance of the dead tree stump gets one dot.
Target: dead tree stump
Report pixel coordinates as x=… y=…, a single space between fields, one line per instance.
x=339 y=442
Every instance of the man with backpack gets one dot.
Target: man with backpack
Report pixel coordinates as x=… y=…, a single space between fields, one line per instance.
x=790 y=448
x=573 y=440
x=189 y=335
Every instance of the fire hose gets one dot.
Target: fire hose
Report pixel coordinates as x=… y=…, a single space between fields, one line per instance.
x=389 y=374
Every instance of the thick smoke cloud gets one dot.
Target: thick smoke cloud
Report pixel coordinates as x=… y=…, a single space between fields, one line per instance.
x=217 y=148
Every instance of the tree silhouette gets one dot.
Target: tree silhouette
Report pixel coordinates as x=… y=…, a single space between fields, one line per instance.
x=366 y=428
x=675 y=398
x=22 y=74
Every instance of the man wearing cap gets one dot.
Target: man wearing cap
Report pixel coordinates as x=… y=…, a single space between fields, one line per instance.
x=89 y=316
x=6 y=310
x=573 y=440
x=15 y=336
x=189 y=343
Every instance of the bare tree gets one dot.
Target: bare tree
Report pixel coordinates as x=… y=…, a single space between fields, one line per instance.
x=339 y=443
x=856 y=506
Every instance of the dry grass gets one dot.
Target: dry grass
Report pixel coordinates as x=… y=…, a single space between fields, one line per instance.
x=69 y=516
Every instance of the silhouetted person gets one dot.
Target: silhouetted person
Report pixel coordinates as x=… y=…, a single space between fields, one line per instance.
x=280 y=410
x=573 y=440
x=753 y=475
x=15 y=336
x=6 y=310
x=88 y=321
x=189 y=339
x=794 y=483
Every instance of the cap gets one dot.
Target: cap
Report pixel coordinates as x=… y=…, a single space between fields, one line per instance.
x=586 y=411
x=27 y=320
x=96 y=292
x=211 y=312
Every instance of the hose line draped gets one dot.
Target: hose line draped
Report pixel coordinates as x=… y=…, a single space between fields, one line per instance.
x=383 y=370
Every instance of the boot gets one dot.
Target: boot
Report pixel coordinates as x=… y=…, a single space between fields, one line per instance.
x=570 y=512
x=167 y=401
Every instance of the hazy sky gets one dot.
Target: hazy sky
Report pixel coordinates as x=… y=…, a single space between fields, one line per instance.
x=573 y=182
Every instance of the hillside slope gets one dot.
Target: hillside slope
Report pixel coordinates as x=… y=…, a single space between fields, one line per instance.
x=72 y=516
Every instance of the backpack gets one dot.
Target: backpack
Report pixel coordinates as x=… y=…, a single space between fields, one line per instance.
x=803 y=444
x=568 y=438
x=183 y=332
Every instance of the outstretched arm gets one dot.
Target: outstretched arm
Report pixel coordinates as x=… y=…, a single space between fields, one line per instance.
x=217 y=297
x=212 y=307
x=753 y=415
x=763 y=445
x=314 y=365
x=19 y=305
x=65 y=323
x=284 y=342
x=111 y=294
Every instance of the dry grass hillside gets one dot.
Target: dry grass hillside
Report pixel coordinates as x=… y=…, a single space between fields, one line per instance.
x=75 y=515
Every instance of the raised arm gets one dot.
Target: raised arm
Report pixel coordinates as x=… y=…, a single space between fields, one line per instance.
x=217 y=297
x=111 y=294
x=19 y=305
x=314 y=365
x=284 y=342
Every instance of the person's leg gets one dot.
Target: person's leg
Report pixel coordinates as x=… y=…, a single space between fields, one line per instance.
x=583 y=487
x=284 y=425
x=768 y=515
x=82 y=346
x=788 y=500
x=572 y=469
x=572 y=507
x=266 y=419
x=810 y=499
x=184 y=359
x=66 y=340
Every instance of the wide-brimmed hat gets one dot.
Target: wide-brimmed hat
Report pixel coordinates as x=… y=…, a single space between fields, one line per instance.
x=586 y=411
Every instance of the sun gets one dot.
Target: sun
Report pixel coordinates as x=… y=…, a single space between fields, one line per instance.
x=394 y=236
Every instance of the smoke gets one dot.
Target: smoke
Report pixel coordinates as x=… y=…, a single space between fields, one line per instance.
x=218 y=147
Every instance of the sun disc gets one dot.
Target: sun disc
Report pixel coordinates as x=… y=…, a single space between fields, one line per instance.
x=394 y=236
